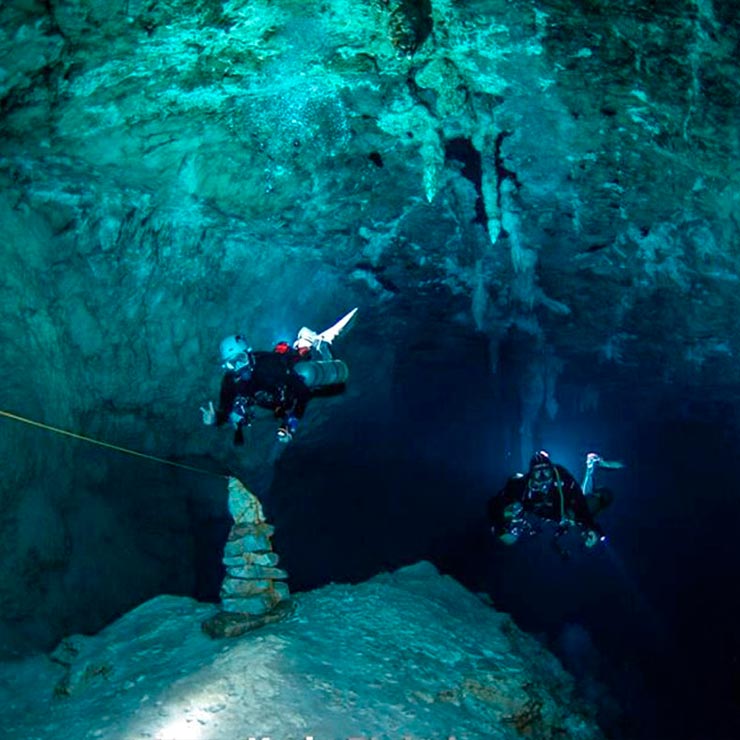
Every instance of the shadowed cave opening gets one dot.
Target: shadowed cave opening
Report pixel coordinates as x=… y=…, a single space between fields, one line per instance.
x=386 y=496
x=462 y=150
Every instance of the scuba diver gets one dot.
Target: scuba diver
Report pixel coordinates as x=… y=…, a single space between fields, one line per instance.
x=283 y=380
x=549 y=492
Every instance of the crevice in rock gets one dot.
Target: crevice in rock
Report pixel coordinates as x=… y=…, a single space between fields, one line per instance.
x=462 y=150
x=411 y=23
x=377 y=272
x=422 y=95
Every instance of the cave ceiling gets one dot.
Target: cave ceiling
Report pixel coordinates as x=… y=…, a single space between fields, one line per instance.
x=563 y=170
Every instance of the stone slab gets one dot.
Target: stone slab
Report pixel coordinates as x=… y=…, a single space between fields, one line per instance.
x=232 y=624
x=257 y=572
x=266 y=559
x=258 y=604
x=248 y=544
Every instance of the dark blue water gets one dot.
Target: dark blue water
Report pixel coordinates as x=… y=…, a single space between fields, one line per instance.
x=648 y=620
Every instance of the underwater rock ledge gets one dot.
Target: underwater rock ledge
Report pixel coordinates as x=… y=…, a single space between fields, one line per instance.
x=406 y=654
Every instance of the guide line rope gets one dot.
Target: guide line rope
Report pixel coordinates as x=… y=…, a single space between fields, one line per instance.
x=82 y=437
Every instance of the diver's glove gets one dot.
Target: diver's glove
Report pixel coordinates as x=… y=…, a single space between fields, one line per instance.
x=515 y=524
x=209 y=414
x=513 y=511
x=593 y=459
x=287 y=429
x=591 y=538
x=241 y=413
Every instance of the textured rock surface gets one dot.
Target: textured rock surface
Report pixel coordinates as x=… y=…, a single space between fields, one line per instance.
x=406 y=654
x=559 y=176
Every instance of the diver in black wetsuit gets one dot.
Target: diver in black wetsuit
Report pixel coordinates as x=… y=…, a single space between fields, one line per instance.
x=549 y=492
x=264 y=379
x=283 y=381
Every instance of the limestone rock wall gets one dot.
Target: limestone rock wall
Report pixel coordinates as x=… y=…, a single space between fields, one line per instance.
x=557 y=175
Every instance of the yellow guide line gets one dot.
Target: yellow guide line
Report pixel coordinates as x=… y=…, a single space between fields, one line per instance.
x=49 y=428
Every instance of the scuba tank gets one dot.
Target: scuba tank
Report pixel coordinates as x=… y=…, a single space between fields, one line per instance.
x=322 y=373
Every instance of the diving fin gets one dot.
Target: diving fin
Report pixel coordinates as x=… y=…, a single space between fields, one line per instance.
x=309 y=338
x=611 y=464
x=330 y=334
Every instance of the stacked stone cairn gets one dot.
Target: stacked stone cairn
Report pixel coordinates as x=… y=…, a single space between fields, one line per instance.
x=254 y=591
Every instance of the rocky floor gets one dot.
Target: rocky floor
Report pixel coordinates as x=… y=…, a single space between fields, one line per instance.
x=410 y=654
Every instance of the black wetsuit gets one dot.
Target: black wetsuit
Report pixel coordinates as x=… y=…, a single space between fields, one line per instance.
x=271 y=384
x=549 y=505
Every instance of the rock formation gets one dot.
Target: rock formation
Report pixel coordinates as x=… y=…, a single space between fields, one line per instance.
x=254 y=591
x=406 y=654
